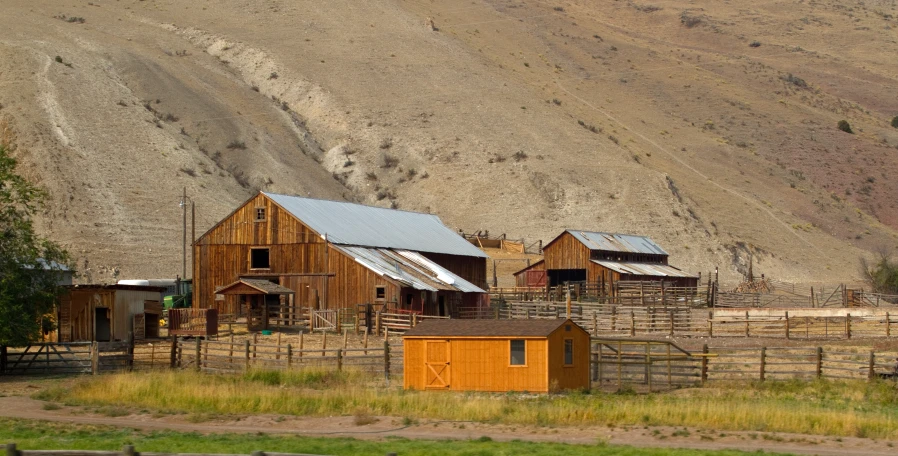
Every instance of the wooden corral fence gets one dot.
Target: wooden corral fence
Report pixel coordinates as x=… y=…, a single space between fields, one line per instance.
x=618 y=362
x=620 y=293
x=387 y=322
x=239 y=356
x=80 y=358
x=127 y=450
x=617 y=320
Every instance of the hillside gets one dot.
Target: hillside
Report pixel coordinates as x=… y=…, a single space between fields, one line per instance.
x=709 y=126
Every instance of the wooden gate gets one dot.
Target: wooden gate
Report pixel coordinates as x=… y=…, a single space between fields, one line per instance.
x=324 y=320
x=71 y=358
x=140 y=326
x=436 y=376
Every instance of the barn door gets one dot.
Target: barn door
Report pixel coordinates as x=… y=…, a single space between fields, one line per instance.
x=436 y=360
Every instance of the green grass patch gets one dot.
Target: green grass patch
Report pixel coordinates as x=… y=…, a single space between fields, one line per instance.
x=31 y=435
x=824 y=407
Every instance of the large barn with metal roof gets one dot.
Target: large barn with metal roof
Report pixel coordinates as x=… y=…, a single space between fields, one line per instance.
x=336 y=255
x=608 y=258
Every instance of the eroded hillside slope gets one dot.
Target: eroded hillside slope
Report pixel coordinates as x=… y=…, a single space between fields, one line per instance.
x=706 y=125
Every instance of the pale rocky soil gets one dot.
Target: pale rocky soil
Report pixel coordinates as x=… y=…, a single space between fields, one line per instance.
x=15 y=403
x=701 y=141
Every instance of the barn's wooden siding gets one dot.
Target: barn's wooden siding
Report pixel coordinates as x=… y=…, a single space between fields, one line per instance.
x=472 y=269
x=566 y=252
x=576 y=375
x=480 y=364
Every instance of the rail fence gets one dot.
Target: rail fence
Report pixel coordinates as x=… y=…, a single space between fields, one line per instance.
x=616 y=320
x=619 y=363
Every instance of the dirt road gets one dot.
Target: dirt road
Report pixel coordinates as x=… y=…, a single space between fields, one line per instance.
x=23 y=407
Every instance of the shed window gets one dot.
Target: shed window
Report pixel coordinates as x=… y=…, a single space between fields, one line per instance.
x=259 y=258
x=568 y=352
x=260 y=214
x=518 y=352
x=380 y=292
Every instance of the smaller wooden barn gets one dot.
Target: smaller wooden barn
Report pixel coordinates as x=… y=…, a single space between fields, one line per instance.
x=106 y=313
x=496 y=355
x=532 y=276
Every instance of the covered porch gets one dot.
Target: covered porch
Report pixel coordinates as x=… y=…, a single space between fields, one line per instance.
x=255 y=295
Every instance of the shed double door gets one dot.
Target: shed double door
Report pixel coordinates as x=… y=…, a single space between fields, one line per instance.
x=436 y=361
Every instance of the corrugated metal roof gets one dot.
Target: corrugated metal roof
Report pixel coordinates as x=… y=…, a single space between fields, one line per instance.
x=615 y=242
x=357 y=224
x=644 y=269
x=486 y=328
x=409 y=268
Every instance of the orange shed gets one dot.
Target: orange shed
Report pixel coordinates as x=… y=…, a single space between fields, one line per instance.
x=496 y=355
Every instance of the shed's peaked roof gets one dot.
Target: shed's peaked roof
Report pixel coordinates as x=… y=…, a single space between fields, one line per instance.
x=615 y=242
x=486 y=328
x=260 y=286
x=368 y=226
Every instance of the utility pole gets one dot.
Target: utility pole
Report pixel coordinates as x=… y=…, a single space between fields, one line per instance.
x=184 y=231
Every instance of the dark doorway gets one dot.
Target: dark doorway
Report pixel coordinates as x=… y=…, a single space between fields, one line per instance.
x=102 y=331
x=441 y=306
x=560 y=276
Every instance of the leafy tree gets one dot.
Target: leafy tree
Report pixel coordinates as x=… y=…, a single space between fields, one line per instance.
x=895 y=121
x=882 y=275
x=30 y=265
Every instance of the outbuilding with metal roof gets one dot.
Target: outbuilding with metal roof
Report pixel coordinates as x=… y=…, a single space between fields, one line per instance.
x=334 y=255
x=609 y=258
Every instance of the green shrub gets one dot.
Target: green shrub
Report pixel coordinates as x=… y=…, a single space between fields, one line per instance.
x=895 y=121
x=845 y=126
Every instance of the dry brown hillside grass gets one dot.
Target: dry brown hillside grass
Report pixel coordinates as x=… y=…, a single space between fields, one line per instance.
x=710 y=126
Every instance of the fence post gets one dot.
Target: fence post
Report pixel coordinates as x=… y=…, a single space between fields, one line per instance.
x=323 y=343
x=128 y=450
x=787 y=325
x=174 y=353
x=246 y=354
x=888 y=329
x=710 y=323
x=95 y=358
x=377 y=322
x=289 y=356
x=763 y=363
x=746 y=324
x=632 y=323
x=11 y=450
x=387 y=361
x=595 y=324
x=870 y=372
x=414 y=320
x=704 y=373
x=819 y=362
x=671 y=323
x=3 y=359
x=848 y=325
x=613 y=318
x=199 y=361
x=339 y=359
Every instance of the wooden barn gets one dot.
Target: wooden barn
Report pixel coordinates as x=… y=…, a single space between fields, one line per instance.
x=532 y=276
x=335 y=255
x=496 y=355
x=106 y=313
x=608 y=258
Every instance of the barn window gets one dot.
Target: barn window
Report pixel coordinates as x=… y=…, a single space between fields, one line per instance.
x=259 y=258
x=260 y=214
x=380 y=292
x=568 y=352
x=518 y=353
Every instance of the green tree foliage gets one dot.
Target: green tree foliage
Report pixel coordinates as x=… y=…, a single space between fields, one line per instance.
x=30 y=265
x=895 y=121
x=882 y=275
